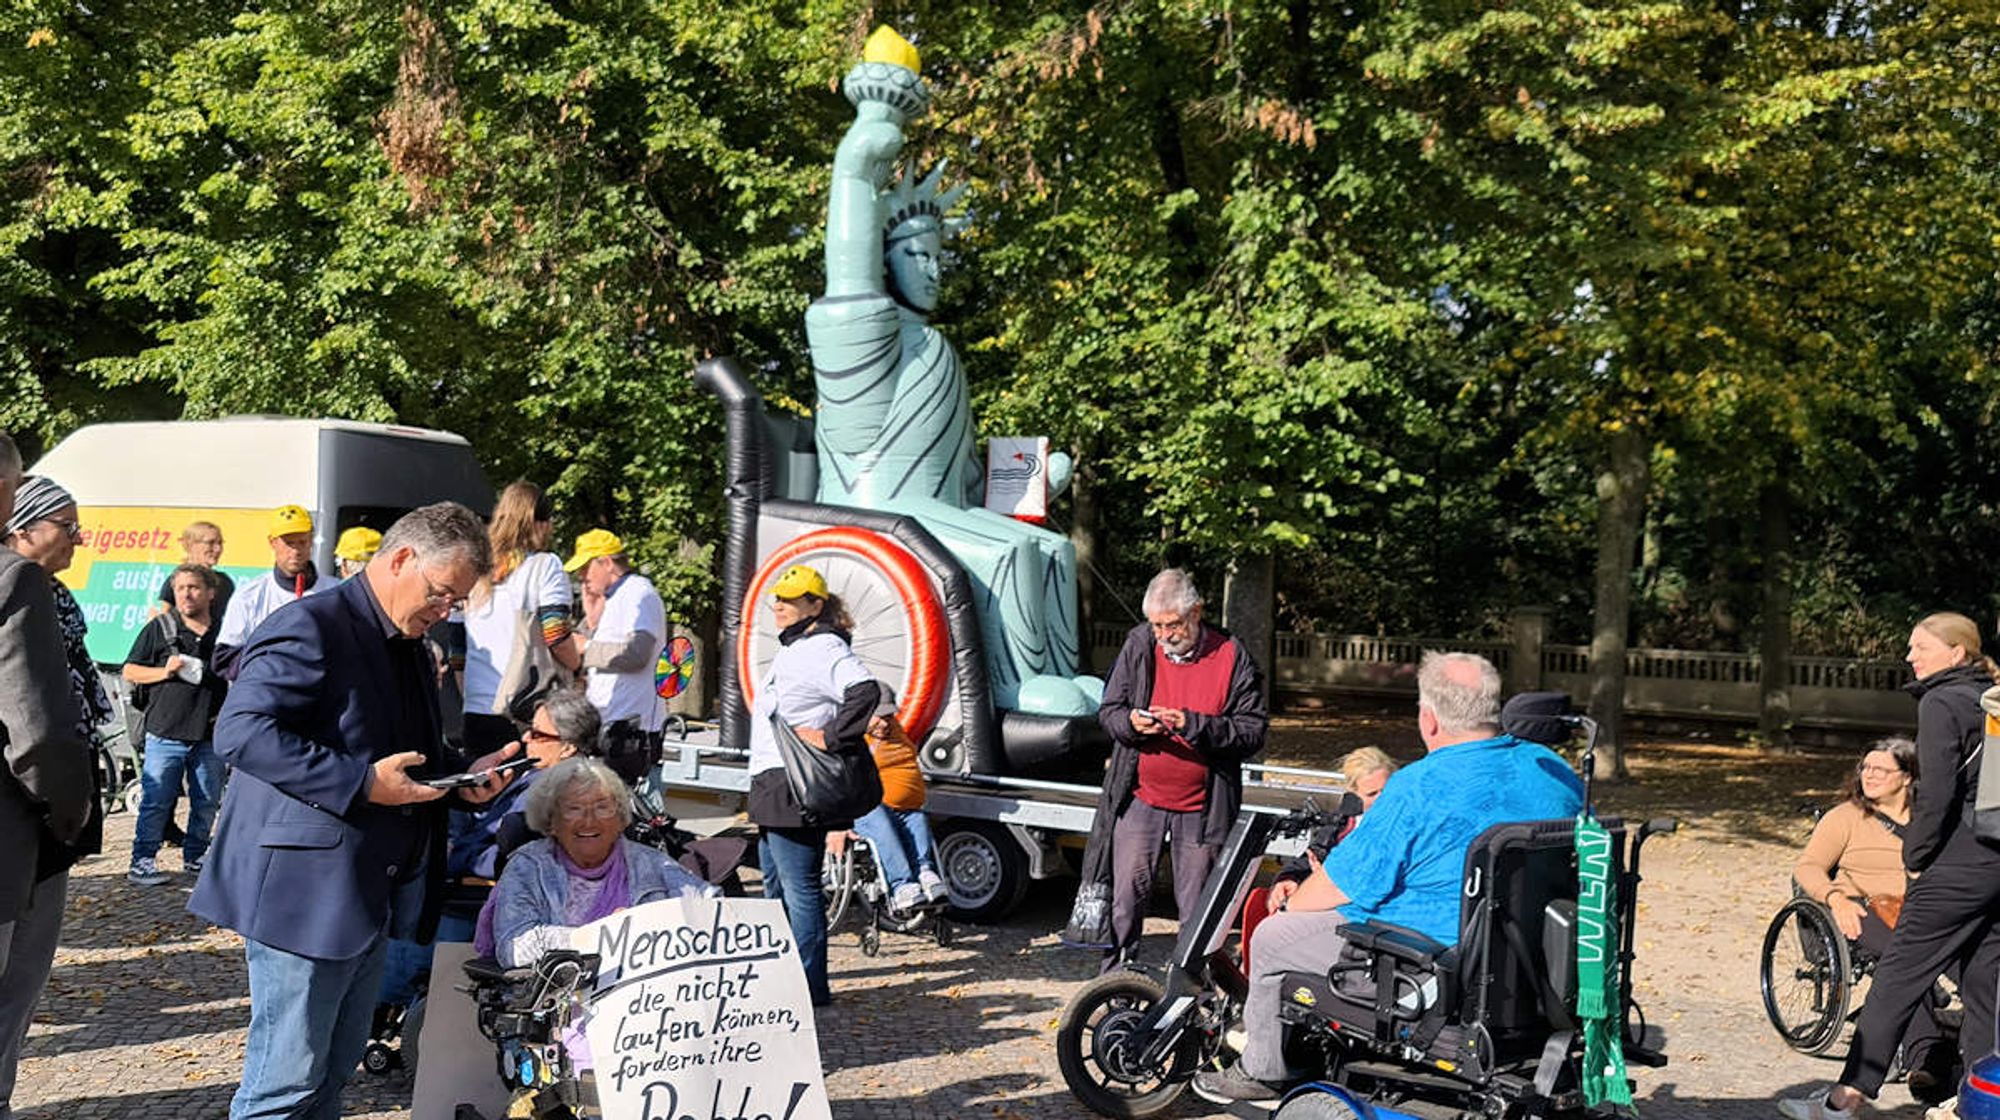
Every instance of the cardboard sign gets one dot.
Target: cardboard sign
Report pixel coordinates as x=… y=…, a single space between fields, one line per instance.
x=1017 y=477
x=701 y=1010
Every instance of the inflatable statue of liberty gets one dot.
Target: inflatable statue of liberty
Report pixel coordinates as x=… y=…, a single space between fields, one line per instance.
x=893 y=424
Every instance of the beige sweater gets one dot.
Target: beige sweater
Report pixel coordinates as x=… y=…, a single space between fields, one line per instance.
x=1853 y=851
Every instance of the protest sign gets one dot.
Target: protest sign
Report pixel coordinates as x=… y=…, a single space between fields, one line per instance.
x=701 y=1011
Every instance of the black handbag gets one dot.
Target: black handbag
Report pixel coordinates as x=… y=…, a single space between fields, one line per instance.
x=831 y=787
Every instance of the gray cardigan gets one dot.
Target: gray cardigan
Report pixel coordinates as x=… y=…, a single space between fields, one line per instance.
x=46 y=782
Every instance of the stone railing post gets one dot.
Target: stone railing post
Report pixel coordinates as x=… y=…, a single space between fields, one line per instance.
x=1527 y=628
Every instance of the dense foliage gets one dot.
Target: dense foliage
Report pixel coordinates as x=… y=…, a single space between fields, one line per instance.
x=1382 y=290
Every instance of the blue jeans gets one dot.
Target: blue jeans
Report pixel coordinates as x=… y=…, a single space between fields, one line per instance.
x=410 y=961
x=902 y=842
x=791 y=859
x=167 y=763
x=309 y=1022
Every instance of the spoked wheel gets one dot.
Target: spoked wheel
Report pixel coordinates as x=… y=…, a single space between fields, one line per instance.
x=1806 y=977
x=836 y=880
x=1099 y=1049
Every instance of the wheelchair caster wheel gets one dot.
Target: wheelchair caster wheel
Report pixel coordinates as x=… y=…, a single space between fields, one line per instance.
x=378 y=1059
x=871 y=941
x=943 y=932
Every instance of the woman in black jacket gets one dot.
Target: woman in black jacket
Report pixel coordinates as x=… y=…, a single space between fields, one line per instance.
x=1952 y=914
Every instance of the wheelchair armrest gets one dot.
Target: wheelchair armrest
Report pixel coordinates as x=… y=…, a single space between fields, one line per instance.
x=1396 y=942
x=486 y=970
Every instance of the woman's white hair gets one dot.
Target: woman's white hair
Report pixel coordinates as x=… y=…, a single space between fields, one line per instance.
x=546 y=796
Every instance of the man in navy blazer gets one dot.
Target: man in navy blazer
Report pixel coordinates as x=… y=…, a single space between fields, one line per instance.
x=328 y=844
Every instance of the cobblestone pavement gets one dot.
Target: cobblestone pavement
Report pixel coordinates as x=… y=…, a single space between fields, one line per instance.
x=145 y=1016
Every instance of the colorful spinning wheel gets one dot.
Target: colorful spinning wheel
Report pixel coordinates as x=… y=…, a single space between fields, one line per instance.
x=675 y=670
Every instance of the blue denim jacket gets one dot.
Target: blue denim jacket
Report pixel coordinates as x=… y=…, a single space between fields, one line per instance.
x=534 y=887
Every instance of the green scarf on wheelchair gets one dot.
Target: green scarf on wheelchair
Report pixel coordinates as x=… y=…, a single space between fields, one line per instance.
x=1597 y=967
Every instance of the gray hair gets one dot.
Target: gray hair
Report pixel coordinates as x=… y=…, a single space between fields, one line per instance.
x=1460 y=705
x=545 y=797
x=576 y=720
x=442 y=533
x=1171 y=592
x=10 y=456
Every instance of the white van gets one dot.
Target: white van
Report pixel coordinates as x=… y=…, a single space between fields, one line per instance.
x=138 y=486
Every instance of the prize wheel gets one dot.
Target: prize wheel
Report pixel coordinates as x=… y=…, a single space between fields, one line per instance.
x=899 y=625
x=675 y=670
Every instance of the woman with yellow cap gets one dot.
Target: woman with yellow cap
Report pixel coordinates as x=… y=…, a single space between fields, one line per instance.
x=824 y=692
x=354 y=548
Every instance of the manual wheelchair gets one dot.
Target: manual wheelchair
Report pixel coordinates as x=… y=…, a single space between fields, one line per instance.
x=1809 y=972
x=850 y=877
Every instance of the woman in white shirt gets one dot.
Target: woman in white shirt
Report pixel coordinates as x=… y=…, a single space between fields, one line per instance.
x=524 y=604
x=821 y=690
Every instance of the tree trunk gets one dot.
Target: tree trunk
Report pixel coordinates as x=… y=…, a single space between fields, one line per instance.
x=1774 y=646
x=1621 y=508
x=1249 y=602
x=1083 y=537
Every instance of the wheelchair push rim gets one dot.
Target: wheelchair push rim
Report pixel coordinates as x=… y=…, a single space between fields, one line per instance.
x=1806 y=977
x=1098 y=1047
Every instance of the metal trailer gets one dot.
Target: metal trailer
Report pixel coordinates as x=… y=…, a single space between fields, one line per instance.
x=996 y=834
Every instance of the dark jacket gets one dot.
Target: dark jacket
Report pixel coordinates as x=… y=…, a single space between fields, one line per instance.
x=46 y=789
x=1950 y=725
x=302 y=860
x=1225 y=740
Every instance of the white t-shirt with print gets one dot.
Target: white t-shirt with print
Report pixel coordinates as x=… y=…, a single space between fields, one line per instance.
x=490 y=623
x=632 y=608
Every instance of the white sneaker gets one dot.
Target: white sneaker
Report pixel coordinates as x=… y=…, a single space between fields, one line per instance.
x=908 y=897
x=1813 y=1107
x=933 y=885
x=147 y=873
x=1946 y=1111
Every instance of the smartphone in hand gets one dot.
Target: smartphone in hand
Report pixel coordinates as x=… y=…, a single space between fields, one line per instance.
x=476 y=777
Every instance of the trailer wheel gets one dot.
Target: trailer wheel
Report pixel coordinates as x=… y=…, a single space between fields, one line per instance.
x=984 y=868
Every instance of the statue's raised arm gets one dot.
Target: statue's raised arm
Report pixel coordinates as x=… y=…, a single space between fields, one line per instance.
x=887 y=94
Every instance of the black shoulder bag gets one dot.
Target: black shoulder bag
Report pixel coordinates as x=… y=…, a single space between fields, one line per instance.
x=831 y=787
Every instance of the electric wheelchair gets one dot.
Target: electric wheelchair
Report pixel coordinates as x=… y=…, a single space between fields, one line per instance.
x=525 y=1013
x=1481 y=1028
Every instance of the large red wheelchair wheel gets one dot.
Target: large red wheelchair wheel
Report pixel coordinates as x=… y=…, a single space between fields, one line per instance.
x=900 y=631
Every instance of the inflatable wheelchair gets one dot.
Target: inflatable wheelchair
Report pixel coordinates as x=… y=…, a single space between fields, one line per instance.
x=921 y=625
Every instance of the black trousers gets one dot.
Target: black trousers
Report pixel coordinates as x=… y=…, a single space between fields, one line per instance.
x=1951 y=916
x=1924 y=1032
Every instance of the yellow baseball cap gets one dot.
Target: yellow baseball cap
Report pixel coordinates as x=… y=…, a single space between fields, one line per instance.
x=286 y=520
x=799 y=580
x=591 y=545
x=357 y=544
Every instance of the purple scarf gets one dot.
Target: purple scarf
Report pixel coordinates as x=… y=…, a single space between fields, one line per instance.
x=617 y=893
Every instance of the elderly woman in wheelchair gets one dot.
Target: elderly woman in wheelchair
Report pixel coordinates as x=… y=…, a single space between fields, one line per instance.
x=1849 y=887
x=526 y=978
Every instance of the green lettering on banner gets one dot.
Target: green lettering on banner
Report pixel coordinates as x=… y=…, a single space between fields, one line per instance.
x=116 y=602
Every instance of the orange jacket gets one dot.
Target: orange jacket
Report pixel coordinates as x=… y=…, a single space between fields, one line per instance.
x=902 y=778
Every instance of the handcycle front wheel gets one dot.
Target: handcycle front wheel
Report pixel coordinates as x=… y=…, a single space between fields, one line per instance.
x=1806 y=976
x=1098 y=1048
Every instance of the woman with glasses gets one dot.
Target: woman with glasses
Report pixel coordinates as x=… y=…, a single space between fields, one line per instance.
x=1950 y=917
x=584 y=869
x=44 y=529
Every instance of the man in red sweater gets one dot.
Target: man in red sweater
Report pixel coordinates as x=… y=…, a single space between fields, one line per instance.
x=1184 y=706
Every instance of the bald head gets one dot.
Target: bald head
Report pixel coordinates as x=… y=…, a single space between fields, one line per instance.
x=1458 y=698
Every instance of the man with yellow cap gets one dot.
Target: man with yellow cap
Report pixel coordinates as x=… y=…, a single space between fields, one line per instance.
x=624 y=628
x=292 y=576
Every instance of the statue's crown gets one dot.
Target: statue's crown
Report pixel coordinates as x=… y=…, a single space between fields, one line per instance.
x=913 y=206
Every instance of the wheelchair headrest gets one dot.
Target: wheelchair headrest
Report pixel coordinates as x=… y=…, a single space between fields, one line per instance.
x=1539 y=717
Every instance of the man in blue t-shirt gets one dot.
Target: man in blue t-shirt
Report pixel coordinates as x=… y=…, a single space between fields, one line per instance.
x=1403 y=863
